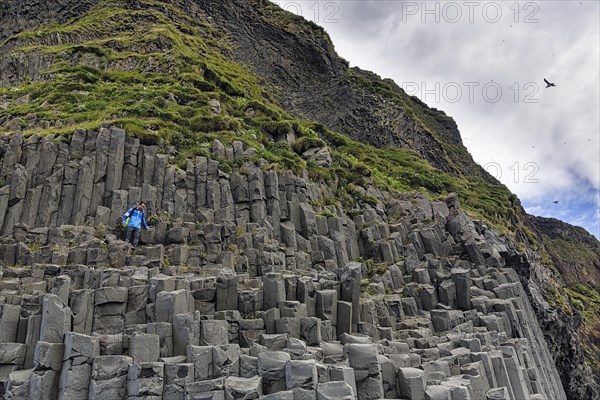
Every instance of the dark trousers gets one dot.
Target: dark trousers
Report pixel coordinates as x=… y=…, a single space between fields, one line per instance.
x=135 y=232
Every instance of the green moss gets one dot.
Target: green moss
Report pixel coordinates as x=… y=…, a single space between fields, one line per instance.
x=587 y=300
x=34 y=246
x=307 y=142
x=558 y=299
x=375 y=268
x=275 y=128
x=213 y=124
x=291 y=22
x=328 y=214
x=317 y=173
x=267 y=111
x=569 y=251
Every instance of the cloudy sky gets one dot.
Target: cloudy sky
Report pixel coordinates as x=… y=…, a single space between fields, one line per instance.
x=483 y=63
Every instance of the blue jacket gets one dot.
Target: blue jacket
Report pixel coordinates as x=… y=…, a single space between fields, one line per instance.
x=137 y=219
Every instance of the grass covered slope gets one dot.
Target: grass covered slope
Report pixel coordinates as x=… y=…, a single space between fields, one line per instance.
x=146 y=61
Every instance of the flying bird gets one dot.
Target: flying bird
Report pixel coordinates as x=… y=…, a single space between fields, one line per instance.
x=555 y=202
x=549 y=84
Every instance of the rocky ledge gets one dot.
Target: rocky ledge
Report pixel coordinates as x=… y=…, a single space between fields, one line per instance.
x=250 y=284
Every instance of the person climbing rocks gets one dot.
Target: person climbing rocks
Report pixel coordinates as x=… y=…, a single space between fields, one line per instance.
x=134 y=220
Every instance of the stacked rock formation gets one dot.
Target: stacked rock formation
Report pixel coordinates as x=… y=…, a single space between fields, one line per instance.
x=248 y=285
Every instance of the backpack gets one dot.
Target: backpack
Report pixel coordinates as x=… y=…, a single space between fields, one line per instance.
x=128 y=213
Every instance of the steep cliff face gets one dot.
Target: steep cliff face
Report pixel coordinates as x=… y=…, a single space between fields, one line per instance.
x=171 y=75
x=18 y=16
x=574 y=252
x=313 y=82
x=561 y=324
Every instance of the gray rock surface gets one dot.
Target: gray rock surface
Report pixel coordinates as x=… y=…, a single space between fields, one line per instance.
x=248 y=291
